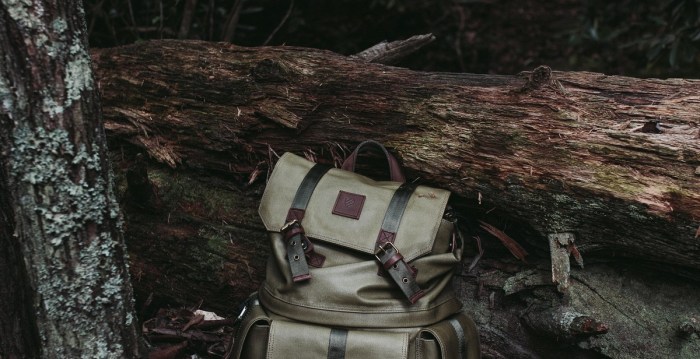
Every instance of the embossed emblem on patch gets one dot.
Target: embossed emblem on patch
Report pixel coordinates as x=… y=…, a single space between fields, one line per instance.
x=349 y=205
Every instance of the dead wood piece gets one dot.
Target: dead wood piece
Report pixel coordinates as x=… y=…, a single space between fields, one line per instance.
x=525 y=280
x=564 y=162
x=561 y=246
x=564 y=323
x=390 y=52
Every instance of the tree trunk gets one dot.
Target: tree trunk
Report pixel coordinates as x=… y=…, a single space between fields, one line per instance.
x=65 y=285
x=597 y=166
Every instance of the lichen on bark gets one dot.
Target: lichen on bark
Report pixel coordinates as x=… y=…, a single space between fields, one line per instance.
x=66 y=217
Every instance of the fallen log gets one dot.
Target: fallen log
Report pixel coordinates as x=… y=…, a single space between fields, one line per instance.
x=603 y=167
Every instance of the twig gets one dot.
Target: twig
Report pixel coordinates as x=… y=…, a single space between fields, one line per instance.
x=210 y=20
x=458 y=37
x=131 y=17
x=131 y=13
x=513 y=246
x=232 y=21
x=96 y=10
x=160 y=27
x=186 y=23
x=390 y=52
x=284 y=19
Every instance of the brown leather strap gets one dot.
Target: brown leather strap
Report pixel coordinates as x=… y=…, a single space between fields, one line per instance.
x=299 y=248
x=386 y=252
x=394 y=167
x=300 y=252
x=401 y=272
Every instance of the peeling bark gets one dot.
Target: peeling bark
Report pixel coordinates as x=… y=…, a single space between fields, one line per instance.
x=561 y=152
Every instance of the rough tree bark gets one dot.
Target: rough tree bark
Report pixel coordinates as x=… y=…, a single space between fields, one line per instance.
x=601 y=165
x=65 y=290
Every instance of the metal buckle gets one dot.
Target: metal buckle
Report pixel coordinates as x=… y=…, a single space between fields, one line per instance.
x=288 y=225
x=383 y=248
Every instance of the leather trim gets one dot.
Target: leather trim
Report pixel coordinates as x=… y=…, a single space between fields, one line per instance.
x=298 y=246
x=295 y=214
x=297 y=259
x=336 y=343
x=394 y=167
x=348 y=205
x=384 y=237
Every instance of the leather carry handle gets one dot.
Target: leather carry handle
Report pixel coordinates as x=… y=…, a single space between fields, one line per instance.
x=394 y=167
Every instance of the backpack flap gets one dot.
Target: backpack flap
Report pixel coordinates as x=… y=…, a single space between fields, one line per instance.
x=348 y=209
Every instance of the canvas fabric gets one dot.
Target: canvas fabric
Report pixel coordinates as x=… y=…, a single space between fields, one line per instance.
x=332 y=277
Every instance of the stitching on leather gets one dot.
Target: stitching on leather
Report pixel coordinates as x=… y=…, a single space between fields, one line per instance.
x=439 y=340
x=404 y=349
x=270 y=342
x=419 y=347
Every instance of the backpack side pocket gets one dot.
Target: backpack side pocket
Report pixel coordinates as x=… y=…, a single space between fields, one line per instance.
x=251 y=339
x=453 y=338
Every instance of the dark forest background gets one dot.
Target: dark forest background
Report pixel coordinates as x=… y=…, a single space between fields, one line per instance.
x=642 y=38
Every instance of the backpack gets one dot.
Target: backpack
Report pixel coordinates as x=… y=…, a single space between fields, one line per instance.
x=358 y=269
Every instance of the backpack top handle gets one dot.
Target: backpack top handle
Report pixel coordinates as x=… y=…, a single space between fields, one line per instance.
x=394 y=167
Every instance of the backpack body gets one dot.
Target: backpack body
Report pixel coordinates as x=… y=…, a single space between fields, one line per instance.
x=358 y=269
x=263 y=334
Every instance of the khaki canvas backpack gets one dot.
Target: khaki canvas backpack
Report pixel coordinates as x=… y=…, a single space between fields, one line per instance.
x=358 y=269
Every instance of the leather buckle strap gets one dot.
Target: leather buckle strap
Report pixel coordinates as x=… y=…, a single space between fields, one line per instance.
x=295 y=252
x=300 y=251
x=299 y=248
x=386 y=252
x=403 y=274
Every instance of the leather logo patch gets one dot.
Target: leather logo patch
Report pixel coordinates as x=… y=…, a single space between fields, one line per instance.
x=349 y=205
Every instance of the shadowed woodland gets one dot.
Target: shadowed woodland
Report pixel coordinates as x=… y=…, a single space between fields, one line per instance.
x=567 y=131
x=498 y=37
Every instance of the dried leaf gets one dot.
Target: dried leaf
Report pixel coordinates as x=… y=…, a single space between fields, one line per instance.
x=476 y=259
x=208 y=315
x=577 y=255
x=254 y=175
x=192 y=335
x=194 y=321
x=310 y=155
x=513 y=246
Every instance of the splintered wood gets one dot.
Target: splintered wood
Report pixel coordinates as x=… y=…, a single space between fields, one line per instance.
x=561 y=246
